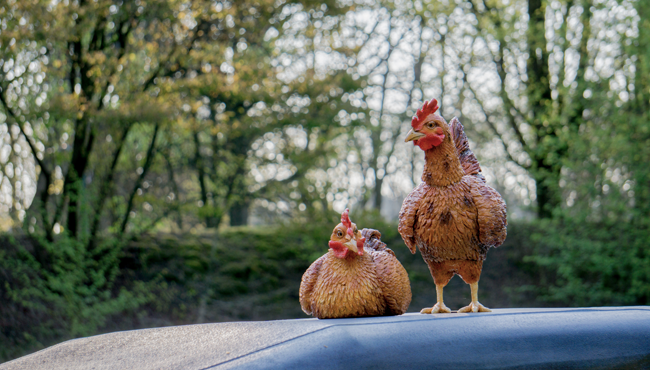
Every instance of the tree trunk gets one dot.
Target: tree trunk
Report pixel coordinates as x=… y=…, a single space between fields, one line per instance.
x=546 y=175
x=138 y=182
x=547 y=178
x=105 y=189
x=640 y=109
x=199 y=164
x=377 y=197
x=239 y=213
x=83 y=135
x=83 y=142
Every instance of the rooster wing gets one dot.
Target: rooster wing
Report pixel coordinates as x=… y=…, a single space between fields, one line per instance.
x=491 y=210
x=490 y=207
x=408 y=216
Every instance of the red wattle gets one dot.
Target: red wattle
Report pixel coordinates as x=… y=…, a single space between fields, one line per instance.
x=437 y=139
x=360 y=244
x=339 y=250
x=432 y=140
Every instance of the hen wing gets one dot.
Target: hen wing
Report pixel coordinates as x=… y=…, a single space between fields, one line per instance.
x=394 y=282
x=307 y=284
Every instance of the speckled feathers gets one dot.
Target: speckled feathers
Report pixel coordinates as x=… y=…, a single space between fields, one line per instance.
x=453 y=215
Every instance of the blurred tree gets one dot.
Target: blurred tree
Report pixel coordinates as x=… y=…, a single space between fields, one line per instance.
x=104 y=103
x=540 y=72
x=597 y=253
x=115 y=67
x=122 y=117
x=270 y=87
x=396 y=40
x=528 y=77
x=603 y=177
x=636 y=127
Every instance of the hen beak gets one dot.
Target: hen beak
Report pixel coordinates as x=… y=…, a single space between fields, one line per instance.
x=412 y=135
x=352 y=246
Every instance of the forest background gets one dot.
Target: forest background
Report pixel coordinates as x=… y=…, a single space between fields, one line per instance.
x=168 y=162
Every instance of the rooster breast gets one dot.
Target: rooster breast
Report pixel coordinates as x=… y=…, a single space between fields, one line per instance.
x=446 y=225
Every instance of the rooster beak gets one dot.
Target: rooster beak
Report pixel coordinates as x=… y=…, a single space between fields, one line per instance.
x=412 y=135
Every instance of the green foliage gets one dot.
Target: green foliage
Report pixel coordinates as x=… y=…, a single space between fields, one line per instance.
x=253 y=273
x=242 y=274
x=592 y=264
x=57 y=293
x=141 y=127
x=122 y=117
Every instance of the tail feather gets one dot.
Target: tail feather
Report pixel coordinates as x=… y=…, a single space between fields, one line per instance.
x=373 y=241
x=467 y=158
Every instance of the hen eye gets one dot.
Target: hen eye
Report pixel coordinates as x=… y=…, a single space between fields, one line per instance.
x=430 y=125
x=339 y=233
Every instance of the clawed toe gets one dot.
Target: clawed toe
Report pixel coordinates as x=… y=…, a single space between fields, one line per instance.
x=474 y=307
x=438 y=308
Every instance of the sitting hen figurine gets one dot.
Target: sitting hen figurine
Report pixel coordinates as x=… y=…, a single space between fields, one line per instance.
x=359 y=276
x=453 y=217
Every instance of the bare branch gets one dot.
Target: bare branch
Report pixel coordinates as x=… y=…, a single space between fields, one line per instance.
x=32 y=147
x=499 y=61
x=495 y=131
x=122 y=36
x=172 y=54
x=391 y=48
x=416 y=81
x=136 y=186
x=106 y=187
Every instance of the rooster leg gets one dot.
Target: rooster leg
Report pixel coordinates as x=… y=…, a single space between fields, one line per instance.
x=475 y=306
x=440 y=306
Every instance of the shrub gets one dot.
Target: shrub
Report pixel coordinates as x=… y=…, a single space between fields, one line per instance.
x=592 y=264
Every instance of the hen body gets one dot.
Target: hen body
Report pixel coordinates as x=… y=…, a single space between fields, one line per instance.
x=453 y=217
x=372 y=284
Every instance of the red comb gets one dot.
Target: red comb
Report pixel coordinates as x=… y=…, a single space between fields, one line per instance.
x=428 y=108
x=345 y=219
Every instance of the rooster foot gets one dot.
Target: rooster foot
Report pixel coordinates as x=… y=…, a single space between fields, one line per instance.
x=474 y=307
x=438 y=308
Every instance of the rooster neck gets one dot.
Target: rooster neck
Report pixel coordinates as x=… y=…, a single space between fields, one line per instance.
x=442 y=166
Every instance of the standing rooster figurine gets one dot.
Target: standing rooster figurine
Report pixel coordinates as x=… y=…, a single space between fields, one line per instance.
x=359 y=276
x=453 y=216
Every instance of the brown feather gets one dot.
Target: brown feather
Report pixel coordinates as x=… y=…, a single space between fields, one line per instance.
x=373 y=284
x=453 y=217
x=465 y=155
